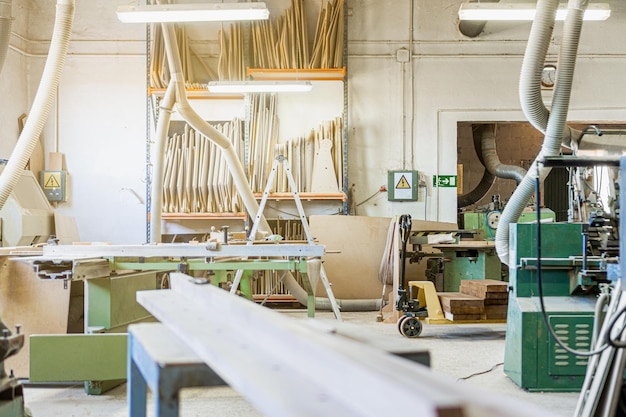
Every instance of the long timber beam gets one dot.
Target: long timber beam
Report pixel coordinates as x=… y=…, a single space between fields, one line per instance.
x=290 y=368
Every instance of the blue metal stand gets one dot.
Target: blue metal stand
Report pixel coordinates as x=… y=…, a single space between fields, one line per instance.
x=159 y=360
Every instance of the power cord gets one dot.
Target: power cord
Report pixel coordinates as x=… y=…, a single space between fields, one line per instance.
x=464 y=378
x=540 y=286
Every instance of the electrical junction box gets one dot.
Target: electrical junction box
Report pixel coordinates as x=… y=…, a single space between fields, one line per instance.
x=402 y=185
x=53 y=184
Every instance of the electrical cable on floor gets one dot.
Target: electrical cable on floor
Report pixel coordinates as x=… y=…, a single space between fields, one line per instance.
x=464 y=378
x=540 y=287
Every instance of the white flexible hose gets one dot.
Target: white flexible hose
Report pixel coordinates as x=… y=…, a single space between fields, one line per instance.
x=43 y=99
x=556 y=120
x=165 y=115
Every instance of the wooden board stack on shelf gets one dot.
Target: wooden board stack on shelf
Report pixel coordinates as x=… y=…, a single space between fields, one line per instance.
x=494 y=293
x=196 y=178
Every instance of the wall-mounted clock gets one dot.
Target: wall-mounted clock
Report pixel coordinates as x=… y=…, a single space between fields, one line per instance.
x=548 y=76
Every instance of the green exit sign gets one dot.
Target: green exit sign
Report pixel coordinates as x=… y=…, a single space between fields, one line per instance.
x=444 y=181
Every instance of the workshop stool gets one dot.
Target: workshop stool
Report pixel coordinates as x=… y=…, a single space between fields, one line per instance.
x=159 y=360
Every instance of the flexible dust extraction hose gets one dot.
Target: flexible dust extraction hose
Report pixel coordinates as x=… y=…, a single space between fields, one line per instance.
x=237 y=172
x=492 y=161
x=532 y=65
x=165 y=115
x=43 y=99
x=6 y=21
x=556 y=121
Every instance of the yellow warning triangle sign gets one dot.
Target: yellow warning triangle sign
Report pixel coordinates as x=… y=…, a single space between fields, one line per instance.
x=403 y=183
x=52 y=182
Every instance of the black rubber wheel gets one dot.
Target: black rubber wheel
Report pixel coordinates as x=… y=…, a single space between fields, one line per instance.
x=410 y=327
x=400 y=321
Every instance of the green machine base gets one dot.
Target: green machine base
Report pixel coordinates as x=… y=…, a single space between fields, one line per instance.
x=532 y=359
x=98 y=359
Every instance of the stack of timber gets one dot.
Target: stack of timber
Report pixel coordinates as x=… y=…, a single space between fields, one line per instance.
x=196 y=177
x=494 y=293
x=459 y=306
x=283 y=42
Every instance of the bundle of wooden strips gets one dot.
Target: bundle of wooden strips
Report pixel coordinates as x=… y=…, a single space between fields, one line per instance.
x=196 y=177
x=159 y=66
x=231 y=66
x=263 y=135
x=283 y=42
x=302 y=154
x=328 y=43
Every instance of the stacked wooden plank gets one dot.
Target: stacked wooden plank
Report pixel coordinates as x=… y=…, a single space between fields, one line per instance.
x=328 y=43
x=494 y=293
x=196 y=177
x=231 y=66
x=159 y=66
x=459 y=306
x=482 y=299
x=282 y=42
x=301 y=152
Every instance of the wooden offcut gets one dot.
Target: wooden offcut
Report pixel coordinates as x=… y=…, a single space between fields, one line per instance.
x=495 y=312
x=485 y=288
x=459 y=303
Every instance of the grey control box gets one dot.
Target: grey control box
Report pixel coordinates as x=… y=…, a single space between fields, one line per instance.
x=53 y=184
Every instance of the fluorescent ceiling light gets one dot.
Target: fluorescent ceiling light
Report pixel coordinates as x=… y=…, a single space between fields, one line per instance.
x=524 y=11
x=207 y=12
x=259 y=86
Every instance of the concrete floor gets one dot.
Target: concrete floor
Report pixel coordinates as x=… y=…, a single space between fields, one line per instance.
x=469 y=354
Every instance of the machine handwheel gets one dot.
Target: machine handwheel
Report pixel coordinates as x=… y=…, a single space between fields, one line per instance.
x=410 y=327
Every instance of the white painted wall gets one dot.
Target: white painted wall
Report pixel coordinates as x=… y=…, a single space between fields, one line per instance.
x=455 y=78
x=393 y=123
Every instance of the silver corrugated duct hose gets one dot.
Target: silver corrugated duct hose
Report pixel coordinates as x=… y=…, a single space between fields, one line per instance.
x=492 y=162
x=558 y=115
x=236 y=170
x=5 y=29
x=43 y=99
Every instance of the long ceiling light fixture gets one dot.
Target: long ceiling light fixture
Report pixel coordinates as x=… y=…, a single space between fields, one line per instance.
x=287 y=86
x=524 y=11
x=205 y=12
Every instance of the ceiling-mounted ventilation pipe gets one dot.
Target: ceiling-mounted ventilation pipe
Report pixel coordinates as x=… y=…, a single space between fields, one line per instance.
x=546 y=12
x=473 y=28
x=239 y=178
x=6 y=20
x=43 y=99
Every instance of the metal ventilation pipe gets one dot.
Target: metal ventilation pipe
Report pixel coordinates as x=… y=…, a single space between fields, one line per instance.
x=473 y=28
x=546 y=11
x=492 y=161
x=43 y=99
x=6 y=21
